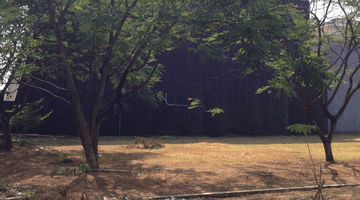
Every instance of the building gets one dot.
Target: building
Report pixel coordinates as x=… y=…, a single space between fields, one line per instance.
x=350 y=119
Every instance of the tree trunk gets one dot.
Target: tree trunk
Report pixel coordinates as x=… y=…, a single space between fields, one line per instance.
x=89 y=140
x=328 y=151
x=91 y=155
x=325 y=138
x=6 y=142
x=90 y=148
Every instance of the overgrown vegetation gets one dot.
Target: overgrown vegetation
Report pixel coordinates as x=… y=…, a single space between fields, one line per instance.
x=146 y=143
x=29 y=117
x=83 y=168
x=23 y=142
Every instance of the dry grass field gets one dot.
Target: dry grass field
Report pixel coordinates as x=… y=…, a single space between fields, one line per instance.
x=185 y=165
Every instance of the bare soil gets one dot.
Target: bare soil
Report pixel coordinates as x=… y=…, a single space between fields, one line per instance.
x=183 y=166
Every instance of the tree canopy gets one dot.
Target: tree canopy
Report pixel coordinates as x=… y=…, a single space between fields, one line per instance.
x=325 y=59
x=114 y=48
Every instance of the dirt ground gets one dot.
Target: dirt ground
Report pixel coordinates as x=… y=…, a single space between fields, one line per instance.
x=183 y=166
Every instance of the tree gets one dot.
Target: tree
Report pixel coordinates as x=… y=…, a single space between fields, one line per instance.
x=6 y=115
x=112 y=47
x=29 y=116
x=306 y=57
x=322 y=61
x=10 y=58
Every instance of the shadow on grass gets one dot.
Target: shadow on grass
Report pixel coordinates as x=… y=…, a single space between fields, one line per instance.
x=355 y=171
x=336 y=173
x=23 y=168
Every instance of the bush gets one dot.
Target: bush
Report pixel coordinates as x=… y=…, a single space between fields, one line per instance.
x=146 y=143
x=29 y=116
x=23 y=142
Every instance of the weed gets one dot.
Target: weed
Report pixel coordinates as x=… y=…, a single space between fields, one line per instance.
x=84 y=167
x=23 y=142
x=49 y=154
x=145 y=143
x=319 y=194
x=30 y=194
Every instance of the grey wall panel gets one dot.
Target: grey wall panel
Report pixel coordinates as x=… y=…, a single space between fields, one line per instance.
x=350 y=119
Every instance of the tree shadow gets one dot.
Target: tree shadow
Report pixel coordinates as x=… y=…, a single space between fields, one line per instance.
x=138 y=179
x=355 y=171
x=337 y=174
x=334 y=174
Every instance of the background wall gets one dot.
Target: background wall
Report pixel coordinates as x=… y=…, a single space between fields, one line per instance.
x=245 y=113
x=217 y=84
x=350 y=119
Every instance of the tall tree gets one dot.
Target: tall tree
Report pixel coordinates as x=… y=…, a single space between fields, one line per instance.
x=12 y=31
x=112 y=47
x=320 y=54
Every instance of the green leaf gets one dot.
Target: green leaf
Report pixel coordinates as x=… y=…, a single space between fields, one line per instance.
x=215 y=111
x=301 y=128
x=85 y=167
x=262 y=89
x=67 y=172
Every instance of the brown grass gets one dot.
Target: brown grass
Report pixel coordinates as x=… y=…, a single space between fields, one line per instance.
x=185 y=165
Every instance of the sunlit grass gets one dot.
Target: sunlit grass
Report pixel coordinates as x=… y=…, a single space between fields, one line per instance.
x=226 y=155
x=202 y=149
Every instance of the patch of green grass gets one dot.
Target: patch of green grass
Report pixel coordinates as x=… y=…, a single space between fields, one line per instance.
x=30 y=194
x=23 y=142
x=114 y=140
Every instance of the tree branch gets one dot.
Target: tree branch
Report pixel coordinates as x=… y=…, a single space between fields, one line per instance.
x=290 y=99
x=47 y=82
x=147 y=80
x=47 y=91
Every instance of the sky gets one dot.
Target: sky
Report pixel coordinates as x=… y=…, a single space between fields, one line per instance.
x=319 y=8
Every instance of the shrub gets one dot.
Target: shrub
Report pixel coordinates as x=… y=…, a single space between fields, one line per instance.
x=146 y=143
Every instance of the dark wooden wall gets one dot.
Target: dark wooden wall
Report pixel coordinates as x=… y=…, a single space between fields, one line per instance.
x=217 y=84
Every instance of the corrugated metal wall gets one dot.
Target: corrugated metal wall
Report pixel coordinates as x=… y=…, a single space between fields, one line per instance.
x=350 y=120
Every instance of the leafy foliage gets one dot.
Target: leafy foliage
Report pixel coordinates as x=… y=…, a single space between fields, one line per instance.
x=112 y=48
x=302 y=128
x=30 y=116
x=23 y=142
x=215 y=111
x=83 y=168
x=196 y=103
x=115 y=47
